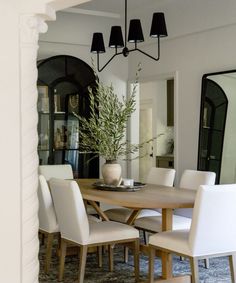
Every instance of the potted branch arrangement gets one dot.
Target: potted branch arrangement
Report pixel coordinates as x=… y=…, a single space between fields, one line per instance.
x=104 y=131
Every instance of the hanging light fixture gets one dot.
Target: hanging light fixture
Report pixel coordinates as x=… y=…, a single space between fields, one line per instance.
x=135 y=35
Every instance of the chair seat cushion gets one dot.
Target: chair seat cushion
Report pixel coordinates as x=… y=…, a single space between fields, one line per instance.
x=176 y=240
x=122 y=214
x=154 y=223
x=50 y=229
x=108 y=231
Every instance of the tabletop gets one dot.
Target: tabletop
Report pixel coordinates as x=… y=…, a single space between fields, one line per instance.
x=150 y=196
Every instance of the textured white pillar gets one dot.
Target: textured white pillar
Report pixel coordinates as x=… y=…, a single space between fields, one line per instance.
x=30 y=26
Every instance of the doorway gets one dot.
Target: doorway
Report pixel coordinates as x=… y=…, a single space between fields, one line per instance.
x=146 y=133
x=156 y=119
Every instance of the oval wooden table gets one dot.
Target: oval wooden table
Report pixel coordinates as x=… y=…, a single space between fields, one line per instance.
x=150 y=196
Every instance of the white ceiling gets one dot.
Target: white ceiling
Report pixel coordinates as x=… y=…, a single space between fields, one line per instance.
x=183 y=17
x=116 y=6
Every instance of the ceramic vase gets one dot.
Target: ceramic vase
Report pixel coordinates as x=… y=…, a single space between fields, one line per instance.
x=111 y=173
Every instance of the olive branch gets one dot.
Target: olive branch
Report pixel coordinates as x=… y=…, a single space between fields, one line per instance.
x=104 y=131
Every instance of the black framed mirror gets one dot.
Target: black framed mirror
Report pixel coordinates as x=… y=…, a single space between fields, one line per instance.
x=217 y=131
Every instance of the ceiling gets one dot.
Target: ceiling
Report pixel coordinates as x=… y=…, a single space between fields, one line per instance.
x=116 y=6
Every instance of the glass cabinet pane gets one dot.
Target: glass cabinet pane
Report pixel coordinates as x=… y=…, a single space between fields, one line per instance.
x=62 y=94
x=43 y=130
x=43 y=99
x=43 y=157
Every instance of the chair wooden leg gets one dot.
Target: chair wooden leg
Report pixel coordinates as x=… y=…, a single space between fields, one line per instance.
x=126 y=254
x=110 y=253
x=62 y=259
x=194 y=270
x=48 y=252
x=42 y=236
x=145 y=237
x=136 y=260
x=82 y=263
x=151 y=264
x=232 y=264
x=99 y=255
x=59 y=239
x=59 y=244
x=206 y=263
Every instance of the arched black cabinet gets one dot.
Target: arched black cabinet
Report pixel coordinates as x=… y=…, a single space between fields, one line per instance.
x=63 y=83
x=214 y=105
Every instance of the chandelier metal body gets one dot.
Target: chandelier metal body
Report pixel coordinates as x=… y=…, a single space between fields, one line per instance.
x=135 y=35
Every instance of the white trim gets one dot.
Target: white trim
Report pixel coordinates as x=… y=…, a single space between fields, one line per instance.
x=92 y=13
x=176 y=124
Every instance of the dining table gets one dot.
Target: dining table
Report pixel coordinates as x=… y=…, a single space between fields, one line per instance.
x=147 y=197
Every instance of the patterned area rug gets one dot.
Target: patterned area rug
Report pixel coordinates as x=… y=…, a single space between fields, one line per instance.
x=123 y=273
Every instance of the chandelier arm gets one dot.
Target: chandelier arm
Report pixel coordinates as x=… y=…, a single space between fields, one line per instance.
x=100 y=69
x=150 y=56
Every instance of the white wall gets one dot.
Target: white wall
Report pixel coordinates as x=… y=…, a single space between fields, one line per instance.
x=71 y=34
x=201 y=40
x=191 y=56
x=10 y=190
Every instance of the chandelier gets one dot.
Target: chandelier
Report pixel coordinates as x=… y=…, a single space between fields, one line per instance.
x=135 y=35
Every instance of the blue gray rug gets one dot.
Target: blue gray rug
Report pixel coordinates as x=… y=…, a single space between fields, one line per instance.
x=123 y=273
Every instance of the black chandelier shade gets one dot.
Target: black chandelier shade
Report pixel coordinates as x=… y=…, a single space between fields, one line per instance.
x=98 y=43
x=158 y=27
x=116 y=37
x=135 y=31
x=135 y=35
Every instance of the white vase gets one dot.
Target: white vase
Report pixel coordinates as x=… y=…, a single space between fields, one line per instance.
x=111 y=173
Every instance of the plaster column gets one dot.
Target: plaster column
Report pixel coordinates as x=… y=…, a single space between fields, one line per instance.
x=30 y=27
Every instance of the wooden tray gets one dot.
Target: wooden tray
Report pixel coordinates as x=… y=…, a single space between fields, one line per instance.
x=136 y=187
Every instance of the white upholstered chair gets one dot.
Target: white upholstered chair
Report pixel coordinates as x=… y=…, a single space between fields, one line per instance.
x=47 y=218
x=204 y=239
x=190 y=179
x=46 y=208
x=156 y=176
x=76 y=229
x=48 y=225
x=61 y=171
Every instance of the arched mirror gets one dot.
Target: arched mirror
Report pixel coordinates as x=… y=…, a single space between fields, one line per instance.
x=217 y=133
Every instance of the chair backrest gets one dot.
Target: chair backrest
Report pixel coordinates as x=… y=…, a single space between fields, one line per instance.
x=213 y=228
x=61 y=171
x=46 y=213
x=192 y=179
x=70 y=210
x=161 y=176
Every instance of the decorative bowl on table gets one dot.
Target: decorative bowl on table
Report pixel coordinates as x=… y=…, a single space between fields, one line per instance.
x=120 y=188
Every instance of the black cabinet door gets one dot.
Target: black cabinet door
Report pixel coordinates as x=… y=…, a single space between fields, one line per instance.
x=214 y=106
x=63 y=83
